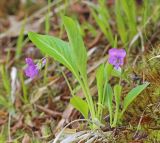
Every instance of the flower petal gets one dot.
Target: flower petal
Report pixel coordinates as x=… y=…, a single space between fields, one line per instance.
x=113 y=52
x=31 y=70
x=122 y=53
x=29 y=61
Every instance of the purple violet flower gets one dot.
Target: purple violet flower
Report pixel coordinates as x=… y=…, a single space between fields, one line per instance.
x=116 y=57
x=32 y=69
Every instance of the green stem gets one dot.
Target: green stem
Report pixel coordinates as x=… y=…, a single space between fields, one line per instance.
x=117 y=99
x=88 y=96
x=103 y=101
x=116 y=116
x=85 y=87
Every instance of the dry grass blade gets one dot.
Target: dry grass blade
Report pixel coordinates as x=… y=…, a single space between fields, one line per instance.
x=74 y=137
x=13 y=83
x=48 y=111
x=158 y=56
x=84 y=136
x=61 y=132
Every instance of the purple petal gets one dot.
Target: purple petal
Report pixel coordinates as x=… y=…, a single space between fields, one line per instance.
x=121 y=61
x=31 y=71
x=113 y=52
x=122 y=53
x=29 y=61
x=117 y=52
x=112 y=60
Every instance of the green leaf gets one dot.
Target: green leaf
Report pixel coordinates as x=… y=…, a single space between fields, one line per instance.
x=5 y=79
x=100 y=86
x=108 y=71
x=102 y=18
x=130 y=11
x=76 y=44
x=109 y=98
x=80 y=105
x=146 y=11
x=73 y=55
x=55 y=48
x=100 y=81
x=132 y=95
x=20 y=40
x=102 y=76
x=117 y=94
x=117 y=73
x=121 y=26
x=3 y=101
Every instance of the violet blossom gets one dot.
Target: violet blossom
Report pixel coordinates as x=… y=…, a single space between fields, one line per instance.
x=116 y=57
x=32 y=69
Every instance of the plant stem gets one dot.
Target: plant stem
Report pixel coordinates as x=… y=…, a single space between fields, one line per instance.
x=88 y=96
x=91 y=101
x=115 y=116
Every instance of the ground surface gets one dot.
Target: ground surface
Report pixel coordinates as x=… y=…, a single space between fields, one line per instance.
x=36 y=110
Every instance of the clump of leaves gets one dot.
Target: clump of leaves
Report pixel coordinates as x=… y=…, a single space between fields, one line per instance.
x=73 y=55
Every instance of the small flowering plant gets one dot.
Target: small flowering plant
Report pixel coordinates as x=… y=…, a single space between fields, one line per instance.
x=107 y=94
x=73 y=55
